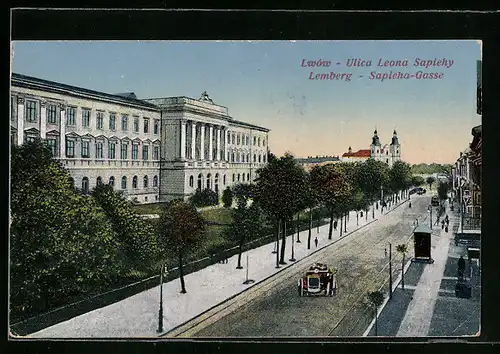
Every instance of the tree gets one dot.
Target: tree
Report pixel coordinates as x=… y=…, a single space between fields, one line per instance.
x=203 y=198
x=430 y=180
x=180 y=228
x=245 y=219
x=375 y=299
x=443 y=188
x=227 y=197
x=330 y=182
x=370 y=176
x=61 y=246
x=137 y=237
x=399 y=176
x=403 y=249
x=417 y=181
x=278 y=190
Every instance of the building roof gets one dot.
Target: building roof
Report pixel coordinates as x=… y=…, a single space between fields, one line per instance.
x=317 y=159
x=249 y=125
x=422 y=228
x=359 y=153
x=36 y=83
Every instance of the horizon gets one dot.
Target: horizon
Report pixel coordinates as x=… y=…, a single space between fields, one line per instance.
x=265 y=83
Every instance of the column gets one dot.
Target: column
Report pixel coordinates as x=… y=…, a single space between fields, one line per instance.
x=62 y=133
x=183 y=140
x=20 y=120
x=211 y=143
x=226 y=157
x=202 y=142
x=43 y=119
x=218 y=145
x=193 y=140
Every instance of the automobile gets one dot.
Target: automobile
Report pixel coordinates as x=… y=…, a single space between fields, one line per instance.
x=318 y=280
x=421 y=191
x=435 y=200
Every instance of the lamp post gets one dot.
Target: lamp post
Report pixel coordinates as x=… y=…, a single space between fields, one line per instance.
x=298 y=228
x=390 y=270
x=430 y=215
x=292 y=259
x=248 y=281
x=160 y=311
x=381 y=199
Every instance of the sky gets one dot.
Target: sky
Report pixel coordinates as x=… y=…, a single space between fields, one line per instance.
x=265 y=83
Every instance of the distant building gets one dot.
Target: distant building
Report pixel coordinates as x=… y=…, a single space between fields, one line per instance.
x=309 y=162
x=389 y=153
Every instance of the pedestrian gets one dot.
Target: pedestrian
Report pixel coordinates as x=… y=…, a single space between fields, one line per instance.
x=442 y=224
x=316 y=241
x=335 y=223
x=461 y=268
x=447 y=219
x=409 y=205
x=385 y=251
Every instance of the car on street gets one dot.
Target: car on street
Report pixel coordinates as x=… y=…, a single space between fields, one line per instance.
x=318 y=280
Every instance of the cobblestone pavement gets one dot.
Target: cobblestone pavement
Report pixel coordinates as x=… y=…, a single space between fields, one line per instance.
x=362 y=265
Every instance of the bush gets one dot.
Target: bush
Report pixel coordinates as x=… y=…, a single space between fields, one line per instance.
x=227 y=197
x=206 y=197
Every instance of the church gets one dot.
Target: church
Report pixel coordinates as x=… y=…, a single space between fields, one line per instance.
x=388 y=153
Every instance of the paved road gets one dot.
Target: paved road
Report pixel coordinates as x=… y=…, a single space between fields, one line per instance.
x=362 y=267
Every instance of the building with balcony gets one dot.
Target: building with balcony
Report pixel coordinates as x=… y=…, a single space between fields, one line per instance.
x=152 y=150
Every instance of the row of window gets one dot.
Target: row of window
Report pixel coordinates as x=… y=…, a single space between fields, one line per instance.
x=244 y=139
x=52 y=144
x=386 y=151
x=111 y=182
x=53 y=113
x=239 y=157
x=236 y=177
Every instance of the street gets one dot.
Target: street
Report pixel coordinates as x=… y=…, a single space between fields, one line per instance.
x=362 y=267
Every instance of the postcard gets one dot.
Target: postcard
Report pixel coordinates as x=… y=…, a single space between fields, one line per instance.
x=245 y=189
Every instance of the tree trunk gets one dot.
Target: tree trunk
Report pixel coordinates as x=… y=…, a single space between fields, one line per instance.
x=341 y=223
x=403 y=272
x=376 y=324
x=278 y=243
x=181 y=274
x=345 y=221
x=357 y=218
x=310 y=228
x=298 y=228
x=242 y=240
x=283 y=242
x=366 y=214
x=330 y=230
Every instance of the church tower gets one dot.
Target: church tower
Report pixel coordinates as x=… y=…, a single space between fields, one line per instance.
x=395 y=148
x=375 y=146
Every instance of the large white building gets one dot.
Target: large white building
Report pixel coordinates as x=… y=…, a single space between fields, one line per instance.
x=388 y=153
x=152 y=149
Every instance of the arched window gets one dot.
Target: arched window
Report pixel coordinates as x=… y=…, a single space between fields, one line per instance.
x=263 y=142
x=229 y=137
x=134 y=182
x=124 y=182
x=99 y=181
x=264 y=158
x=209 y=180
x=85 y=184
x=248 y=176
x=216 y=182
x=258 y=143
x=260 y=158
x=243 y=177
x=254 y=158
x=234 y=177
x=248 y=157
x=146 y=181
x=224 y=180
x=155 y=181
x=111 y=181
x=239 y=177
x=191 y=181
x=200 y=181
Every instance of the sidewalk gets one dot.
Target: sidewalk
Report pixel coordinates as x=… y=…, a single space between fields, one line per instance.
x=428 y=305
x=137 y=316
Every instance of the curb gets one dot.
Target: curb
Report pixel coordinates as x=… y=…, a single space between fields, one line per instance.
x=397 y=206
x=386 y=300
x=261 y=281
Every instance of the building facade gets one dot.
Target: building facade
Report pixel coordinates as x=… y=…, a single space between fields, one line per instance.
x=388 y=153
x=152 y=150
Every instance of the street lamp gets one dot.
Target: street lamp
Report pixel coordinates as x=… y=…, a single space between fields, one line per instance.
x=381 y=199
x=160 y=311
x=248 y=281
x=298 y=228
x=390 y=270
x=292 y=259
x=429 y=208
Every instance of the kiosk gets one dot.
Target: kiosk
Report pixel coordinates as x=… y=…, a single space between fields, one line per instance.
x=422 y=243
